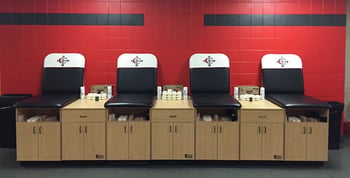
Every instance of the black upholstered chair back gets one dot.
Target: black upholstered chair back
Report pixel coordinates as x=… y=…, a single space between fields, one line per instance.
x=137 y=73
x=63 y=73
x=209 y=73
x=282 y=74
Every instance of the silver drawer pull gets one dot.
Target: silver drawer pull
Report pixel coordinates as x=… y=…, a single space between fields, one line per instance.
x=83 y=116
x=262 y=117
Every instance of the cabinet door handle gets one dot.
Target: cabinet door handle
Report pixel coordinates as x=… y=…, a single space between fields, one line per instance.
x=304 y=130
x=214 y=128
x=130 y=129
x=220 y=129
x=34 y=128
x=172 y=116
x=125 y=129
x=310 y=130
x=175 y=129
x=83 y=116
x=170 y=129
x=85 y=129
x=264 y=129
x=40 y=130
x=262 y=117
x=79 y=129
x=259 y=129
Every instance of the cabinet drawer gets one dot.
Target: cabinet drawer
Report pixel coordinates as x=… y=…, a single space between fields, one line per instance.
x=261 y=116
x=172 y=115
x=81 y=115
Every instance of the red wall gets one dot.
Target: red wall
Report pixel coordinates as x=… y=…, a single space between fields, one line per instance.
x=173 y=31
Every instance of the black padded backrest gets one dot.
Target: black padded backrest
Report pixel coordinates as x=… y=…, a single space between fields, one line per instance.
x=283 y=81
x=62 y=80
x=210 y=80
x=136 y=80
x=63 y=73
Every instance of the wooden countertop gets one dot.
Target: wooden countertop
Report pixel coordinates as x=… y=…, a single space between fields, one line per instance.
x=86 y=104
x=173 y=104
x=260 y=104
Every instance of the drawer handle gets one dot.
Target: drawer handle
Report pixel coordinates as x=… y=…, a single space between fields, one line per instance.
x=264 y=129
x=169 y=129
x=85 y=129
x=175 y=129
x=259 y=129
x=220 y=129
x=40 y=130
x=214 y=129
x=79 y=129
x=304 y=130
x=310 y=128
x=262 y=117
x=83 y=116
x=172 y=116
x=34 y=128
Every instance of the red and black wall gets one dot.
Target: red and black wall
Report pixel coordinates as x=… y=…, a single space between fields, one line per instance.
x=173 y=30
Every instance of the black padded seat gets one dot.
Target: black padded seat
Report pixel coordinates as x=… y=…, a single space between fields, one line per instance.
x=296 y=101
x=136 y=81
x=213 y=100
x=144 y=100
x=63 y=74
x=210 y=81
x=284 y=82
x=51 y=100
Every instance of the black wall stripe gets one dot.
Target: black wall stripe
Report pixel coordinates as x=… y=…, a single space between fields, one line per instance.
x=274 y=20
x=70 y=19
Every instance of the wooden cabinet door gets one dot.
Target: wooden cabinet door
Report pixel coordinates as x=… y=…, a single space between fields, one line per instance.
x=94 y=141
x=295 y=141
x=162 y=141
x=272 y=141
x=49 y=141
x=250 y=141
x=27 y=141
x=139 y=140
x=317 y=141
x=228 y=141
x=72 y=141
x=206 y=140
x=117 y=141
x=183 y=141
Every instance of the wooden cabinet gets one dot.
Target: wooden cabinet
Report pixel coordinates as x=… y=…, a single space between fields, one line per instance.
x=172 y=141
x=173 y=132
x=83 y=131
x=262 y=131
x=128 y=140
x=261 y=141
x=306 y=141
x=217 y=140
x=40 y=140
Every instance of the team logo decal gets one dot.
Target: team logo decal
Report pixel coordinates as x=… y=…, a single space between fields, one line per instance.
x=209 y=60
x=136 y=61
x=63 y=60
x=282 y=61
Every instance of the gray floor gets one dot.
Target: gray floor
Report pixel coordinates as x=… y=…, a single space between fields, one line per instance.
x=338 y=166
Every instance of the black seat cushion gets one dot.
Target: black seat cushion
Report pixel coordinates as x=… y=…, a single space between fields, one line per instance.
x=52 y=100
x=214 y=100
x=131 y=100
x=137 y=80
x=282 y=81
x=210 y=80
x=62 y=80
x=296 y=101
